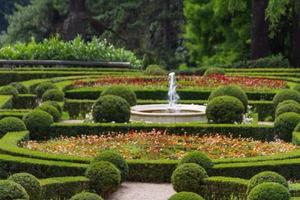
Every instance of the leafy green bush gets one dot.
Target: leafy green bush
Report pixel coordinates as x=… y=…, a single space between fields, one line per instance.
x=111 y=108
x=9 y=90
x=285 y=124
x=186 y=196
x=269 y=191
x=198 y=158
x=43 y=87
x=264 y=177
x=231 y=90
x=53 y=95
x=286 y=94
x=10 y=190
x=155 y=70
x=214 y=70
x=121 y=91
x=54 y=104
x=104 y=177
x=225 y=109
x=116 y=159
x=287 y=102
x=297 y=88
x=11 y=124
x=30 y=183
x=188 y=177
x=86 y=196
x=22 y=89
x=292 y=107
x=50 y=110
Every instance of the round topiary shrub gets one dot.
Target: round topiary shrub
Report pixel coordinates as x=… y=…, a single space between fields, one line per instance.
x=155 y=70
x=265 y=177
x=9 y=90
x=198 y=158
x=230 y=90
x=22 y=89
x=30 y=183
x=188 y=177
x=292 y=107
x=225 y=109
x=54 y=104
x=104 y=177
x=287 y=102
x=186 y=196
x=86 y=196
x=111 y=108
x=115 y=159
x=38 y=123
x=214 y=70
x=285 y=124
x=121 y=91
x=269 y=191
x=10 y=190
x=53 y=95
x=11 y=124
x=286 y=94
x=43 y=87
x=51 y=110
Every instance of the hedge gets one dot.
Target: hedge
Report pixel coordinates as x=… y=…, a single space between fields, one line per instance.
x=24 y=101
x=5 y=101
x=13 y=113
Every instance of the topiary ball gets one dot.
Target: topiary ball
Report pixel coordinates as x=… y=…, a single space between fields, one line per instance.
x=22 y=89
x=30 y=183
x=269 y=191
x=38 y=123
x=264 y=177
x=53 y=95
x=121 y=91
x=9 y=90
x=286 y=94
x=214 y=70
x=186 y=196
x=155 y=70
x=43 y=87
x=292 y=107
x=111 y=108
x=10 y=190
x=104 y=177
x=188 y=177
x=285 y=124
x=198 y=158
x=225 y=109
x=86 y=196
x=54 y=104
x=287 y=102
x=50 y=110
x=11 y=124
x=230 y=90
x=115 y=159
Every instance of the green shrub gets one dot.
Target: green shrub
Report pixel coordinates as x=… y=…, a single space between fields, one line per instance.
x=53 y=95
x=269 y=191
x=214 y=70
x=186 y=196
x=9 y=90
x=264 y=177
x=115 y=159
x=286 y=94
x=51 y=110
x=86 y=196
x=111 y=108
x=43 y=87
x=231 y=90
x=155 y=70
x=104 y=177
x=22 y=89
x=10 y=190
x=121 y=91
x=30 y=183
x=287 y=102
x=38 y=123
x=225 y=109
x=54 y=104
x=292 y=107
x=198 y=158
x=11 y=124
x=297 y=87
x=285 y=124
x=188 y=177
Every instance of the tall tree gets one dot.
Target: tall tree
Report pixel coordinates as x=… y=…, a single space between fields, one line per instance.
x=295 y=35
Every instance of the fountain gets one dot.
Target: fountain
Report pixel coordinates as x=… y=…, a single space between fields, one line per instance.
x=169 y=113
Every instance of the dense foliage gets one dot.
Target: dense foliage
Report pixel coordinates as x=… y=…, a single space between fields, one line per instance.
x=199 y=158
x=121 y=91
x=11 y=124
x=269 y=191
x=10 y=190
x=185 y=196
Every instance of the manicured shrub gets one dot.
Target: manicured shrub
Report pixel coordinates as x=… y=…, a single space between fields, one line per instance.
x=121 y=91
x=186 y=196
x=286 y=94
x=155 y=70
x=188 y=177
x=53 y=95
x=38 y=123
x=225 y=109
x=43 y=87
x=297 y=87
x=51 y=110
x=265 y=177
x=292 y=107
x=230 y=90
x=86 y=196
x=11 y=124
x=269 y=191
x=54 y=104
x=9 y=90
x=22 y=89
x=10 y=190
x=214 y=70
x=104 y=177
x=285 y=124
x=115 y=159
x=30 y=183
x=198 y=158
x=111 y=108
x=287 y=102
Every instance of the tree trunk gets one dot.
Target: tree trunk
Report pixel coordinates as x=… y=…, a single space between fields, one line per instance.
x=295 y=58
x=260 y=45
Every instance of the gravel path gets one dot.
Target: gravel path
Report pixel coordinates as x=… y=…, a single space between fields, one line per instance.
x=143 y=191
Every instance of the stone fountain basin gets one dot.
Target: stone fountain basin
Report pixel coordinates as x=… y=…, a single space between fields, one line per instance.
x=162 y=113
